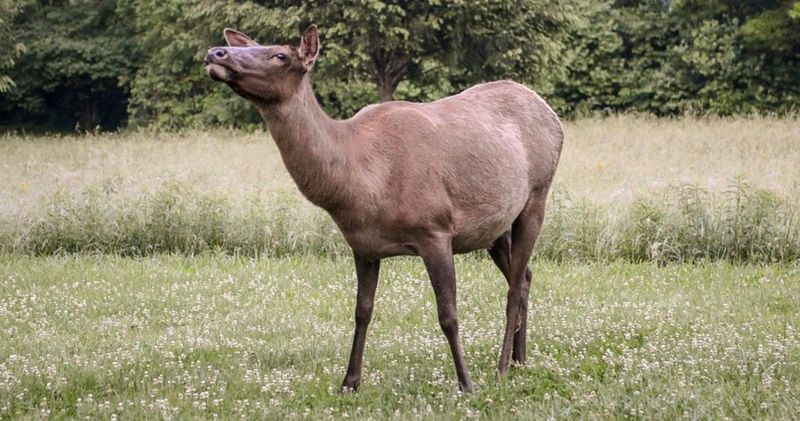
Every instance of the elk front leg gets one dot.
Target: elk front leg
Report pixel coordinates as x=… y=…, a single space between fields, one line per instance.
x=367 y=274
x=439 y=263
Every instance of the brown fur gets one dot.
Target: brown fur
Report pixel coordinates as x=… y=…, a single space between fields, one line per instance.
x=466 y=172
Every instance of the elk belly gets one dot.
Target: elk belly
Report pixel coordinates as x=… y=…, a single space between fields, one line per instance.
x=479 y=225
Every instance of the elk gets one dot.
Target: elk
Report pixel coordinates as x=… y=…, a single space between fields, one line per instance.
x=467 y=172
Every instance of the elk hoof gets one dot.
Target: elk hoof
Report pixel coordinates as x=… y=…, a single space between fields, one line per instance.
x=347 y=390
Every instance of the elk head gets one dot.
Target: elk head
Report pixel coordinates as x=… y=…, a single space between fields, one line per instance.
x=263 y=74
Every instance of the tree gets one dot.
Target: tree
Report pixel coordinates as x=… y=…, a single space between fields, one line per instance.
x=666 y=58
x=372 y=50
x=522 y=40
x=109 y=63
x=382 y=39
x=594 y=64
x=754 y=47
x=772 y=34
x=170 y=88
x=77 y=57
x=9 y=44
x=393 y=41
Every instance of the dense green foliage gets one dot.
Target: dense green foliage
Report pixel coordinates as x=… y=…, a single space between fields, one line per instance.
x=372 y=50
x=723 y=57
x=77 y=64
x=8 y=45
x=112 y=63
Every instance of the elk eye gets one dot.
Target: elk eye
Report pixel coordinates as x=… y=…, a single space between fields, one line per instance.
x=281 y=56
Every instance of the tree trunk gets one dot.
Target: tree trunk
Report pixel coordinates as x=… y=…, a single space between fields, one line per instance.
x=385 y=91
x=389 y=70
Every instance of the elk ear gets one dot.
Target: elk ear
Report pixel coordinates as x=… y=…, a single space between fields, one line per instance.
x=235 y=38
x=309 y=47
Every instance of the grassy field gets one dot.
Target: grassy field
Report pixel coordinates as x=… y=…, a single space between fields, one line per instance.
x=607 y=161
x=630 y=188
x=206 y=336
x=164 y=275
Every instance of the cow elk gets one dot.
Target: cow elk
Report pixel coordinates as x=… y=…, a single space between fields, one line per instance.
x=467 y=172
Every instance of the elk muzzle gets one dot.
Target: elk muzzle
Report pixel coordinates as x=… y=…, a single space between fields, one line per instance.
x=217 y=63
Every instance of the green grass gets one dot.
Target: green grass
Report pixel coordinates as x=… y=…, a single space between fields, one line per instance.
x=683 y=224
x=181 y=275
x=215 y=335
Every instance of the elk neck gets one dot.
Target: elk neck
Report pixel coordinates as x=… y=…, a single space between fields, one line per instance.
x=313 y=146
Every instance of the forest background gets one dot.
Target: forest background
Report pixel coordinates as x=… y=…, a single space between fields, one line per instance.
x=104 y=65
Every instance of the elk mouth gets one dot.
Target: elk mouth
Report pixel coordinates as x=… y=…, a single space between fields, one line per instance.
x=219 y=72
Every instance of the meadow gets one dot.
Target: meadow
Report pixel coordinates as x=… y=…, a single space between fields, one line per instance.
x=632 y=188
x=218 y=336
x=178 y=275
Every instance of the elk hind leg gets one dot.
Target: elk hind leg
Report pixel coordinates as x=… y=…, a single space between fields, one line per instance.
x=524 y=233
x=500 y=251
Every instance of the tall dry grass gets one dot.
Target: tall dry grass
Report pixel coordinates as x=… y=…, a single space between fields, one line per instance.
x=628 y=187
x=619 y=159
